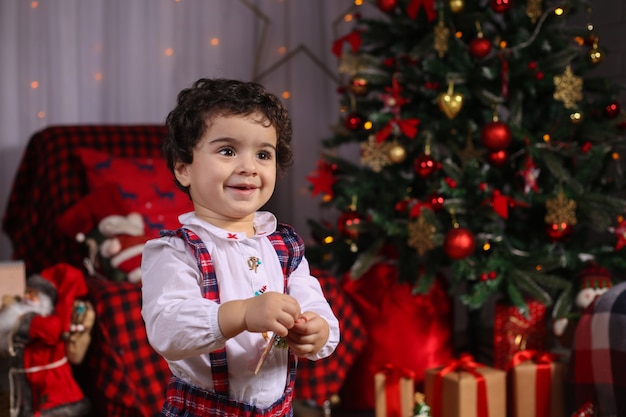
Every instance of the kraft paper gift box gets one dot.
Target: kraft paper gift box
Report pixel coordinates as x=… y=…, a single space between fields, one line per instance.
x=536 y=385
x=12 y=279
x=465 y=388
x=394 y=393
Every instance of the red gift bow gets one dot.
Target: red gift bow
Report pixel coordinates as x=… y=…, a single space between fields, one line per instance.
x=465 y=363
x=429 y=8
x=543 y=385
x=407 y=126
x=393 y=375
x=353 y=38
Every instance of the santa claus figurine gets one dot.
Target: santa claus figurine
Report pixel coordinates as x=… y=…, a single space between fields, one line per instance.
x=33 y=331
x=594 y=281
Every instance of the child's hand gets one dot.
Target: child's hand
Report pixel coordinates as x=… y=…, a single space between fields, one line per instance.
x=308 y=335
x=271 y=312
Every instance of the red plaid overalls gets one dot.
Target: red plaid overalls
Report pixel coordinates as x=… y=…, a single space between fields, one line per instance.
x=183 y=399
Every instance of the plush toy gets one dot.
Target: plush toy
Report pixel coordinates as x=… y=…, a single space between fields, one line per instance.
x=115 y=247
x=594 y=281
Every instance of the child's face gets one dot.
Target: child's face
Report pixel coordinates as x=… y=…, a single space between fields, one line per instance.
x=233 y=172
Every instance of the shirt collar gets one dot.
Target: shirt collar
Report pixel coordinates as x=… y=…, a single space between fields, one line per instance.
x=264 y=223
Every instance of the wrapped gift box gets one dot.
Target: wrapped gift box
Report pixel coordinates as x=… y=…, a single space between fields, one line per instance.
x=394 y=393
x=12 y=279
x=536 y=389
x=515 y=330
x=459 y=394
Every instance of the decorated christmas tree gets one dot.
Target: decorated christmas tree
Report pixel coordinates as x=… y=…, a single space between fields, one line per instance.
x=487 y=150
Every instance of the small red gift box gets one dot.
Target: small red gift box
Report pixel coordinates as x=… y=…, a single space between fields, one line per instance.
x=515 y=331
x=465 y=388
x=536 y=383
x=394 y=392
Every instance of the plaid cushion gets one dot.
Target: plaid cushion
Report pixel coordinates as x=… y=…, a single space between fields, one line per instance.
x=50 y=179
x=317 y=381
x=121 y=374
x=598 y=362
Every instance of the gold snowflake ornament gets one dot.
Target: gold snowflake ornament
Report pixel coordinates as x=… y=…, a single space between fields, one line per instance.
x=561 y=210
x=568 y=88
x=374 y=154
x=421 y=235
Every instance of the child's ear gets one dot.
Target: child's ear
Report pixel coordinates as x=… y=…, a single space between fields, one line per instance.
x=181 y=172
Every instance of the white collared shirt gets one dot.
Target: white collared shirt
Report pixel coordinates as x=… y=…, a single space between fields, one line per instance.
x=183 y=327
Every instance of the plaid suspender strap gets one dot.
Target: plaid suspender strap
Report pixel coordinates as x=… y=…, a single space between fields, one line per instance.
x=209 y=289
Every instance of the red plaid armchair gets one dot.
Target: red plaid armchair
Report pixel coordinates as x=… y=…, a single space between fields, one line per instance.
x=121 y=374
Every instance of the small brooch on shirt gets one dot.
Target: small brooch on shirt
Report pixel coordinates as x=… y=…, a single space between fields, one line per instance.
x=253 y=263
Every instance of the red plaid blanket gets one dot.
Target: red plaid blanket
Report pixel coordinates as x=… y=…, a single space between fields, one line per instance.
x=598 y=363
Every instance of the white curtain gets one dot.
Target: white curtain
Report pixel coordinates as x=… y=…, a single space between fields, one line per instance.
x=124 y=61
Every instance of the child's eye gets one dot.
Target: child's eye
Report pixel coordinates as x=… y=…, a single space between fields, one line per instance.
x=227 y=151
x=265 y=155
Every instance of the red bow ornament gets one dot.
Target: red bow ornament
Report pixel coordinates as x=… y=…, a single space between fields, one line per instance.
x=354 y=40
x=428 y=5
x=406 y=126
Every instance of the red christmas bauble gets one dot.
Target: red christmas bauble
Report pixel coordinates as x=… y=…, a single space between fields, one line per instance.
x=386 y=5
x=612 y=110
x=498 y=158
x=480 y=47
x=348 y=224
x=558 y=232
x=496 y=136
x=436 y=201
x=459 y=243
x=353 y=121
x=501 y=6
x=424 y=165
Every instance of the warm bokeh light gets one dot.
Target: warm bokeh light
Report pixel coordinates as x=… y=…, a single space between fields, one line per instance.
x=546 y=137
x=486 y=246
x=358 y=2
x=538 y=267
x=34 y=84
x=559 y=11
x=41 y=114
x=286 y=95
x=282 y=50
x=503 y=44
x=458 y=34
x=348 y=17
x=34 y=4
x=215 y=41
x=328 y=240
x=97 y=76
x=615 y=156
x=169 y=51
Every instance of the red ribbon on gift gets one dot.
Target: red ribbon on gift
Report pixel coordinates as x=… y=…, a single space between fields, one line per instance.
x=543 y=385
x=353 y=38
x=393 y=395
x=465 y=363
x=407 y=126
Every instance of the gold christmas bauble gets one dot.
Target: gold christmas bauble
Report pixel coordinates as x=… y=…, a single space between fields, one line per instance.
x=595 y=55
x=359 y=86
x=576 y=117
x=397 y=153
x=457 y=6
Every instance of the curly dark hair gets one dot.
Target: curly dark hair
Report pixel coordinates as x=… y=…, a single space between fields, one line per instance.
x=197 y=106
